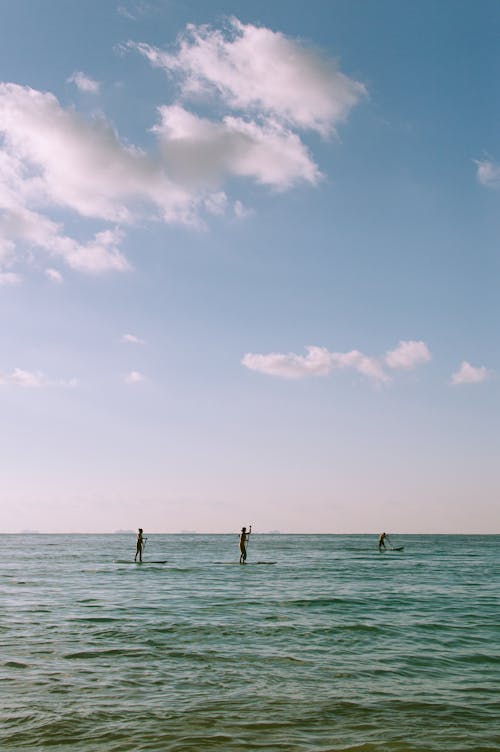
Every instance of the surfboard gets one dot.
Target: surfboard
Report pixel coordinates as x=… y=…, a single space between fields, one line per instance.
x=397 y=548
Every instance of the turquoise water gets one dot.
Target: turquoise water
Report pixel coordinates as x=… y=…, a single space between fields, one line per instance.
x=336 y=647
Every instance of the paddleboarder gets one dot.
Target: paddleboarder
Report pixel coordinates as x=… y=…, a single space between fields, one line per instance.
x=383 y=537
x=243 y=543
x=141 y=542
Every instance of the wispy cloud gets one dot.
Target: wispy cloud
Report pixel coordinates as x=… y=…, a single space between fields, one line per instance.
x=135 y=9
x=134 y=377
x=488 y=173
x=132 y=339
x=319 y=361
x=54 y=275
x=32 y=379
x=241 y=211
x=123 y=11
x=469 y=374
x=84 y=82
x=8 y=279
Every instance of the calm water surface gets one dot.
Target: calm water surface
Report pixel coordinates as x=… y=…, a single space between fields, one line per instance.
x=336 y=647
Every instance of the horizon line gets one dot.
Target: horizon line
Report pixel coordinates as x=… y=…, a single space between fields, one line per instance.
x=265 y=532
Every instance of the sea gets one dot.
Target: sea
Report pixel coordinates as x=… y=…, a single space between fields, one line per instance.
x=335 y=646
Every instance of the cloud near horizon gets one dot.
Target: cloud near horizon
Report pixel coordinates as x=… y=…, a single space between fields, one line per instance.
x=265 y=87
x=132 y=339
x=320 y=361
x=134 y=377
x=32 y=379
x=9 y=279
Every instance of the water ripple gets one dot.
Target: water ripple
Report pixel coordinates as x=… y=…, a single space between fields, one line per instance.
x=334 y=648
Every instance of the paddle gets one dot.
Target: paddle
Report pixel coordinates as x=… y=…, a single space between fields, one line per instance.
x=392 y=546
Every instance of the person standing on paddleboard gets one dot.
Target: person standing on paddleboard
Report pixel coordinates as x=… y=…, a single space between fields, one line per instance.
x=141 y=542
x=243 y=543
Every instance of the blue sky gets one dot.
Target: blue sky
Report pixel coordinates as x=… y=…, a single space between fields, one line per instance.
x=249 y=263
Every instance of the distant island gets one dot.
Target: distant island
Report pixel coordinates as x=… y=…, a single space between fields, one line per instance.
x=124 y=532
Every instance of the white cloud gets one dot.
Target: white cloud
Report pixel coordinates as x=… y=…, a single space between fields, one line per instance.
x=59 y=158
x=132 y=339
x=320 y=362
x=52 y=159
x=216 y=203
x=99 y=255
x=241 y=211
x=33 y=229
x=134 y=377
x=8 y=279
x=407 y=355
x=255 y=69
x=364 y=364
x=468 y=374
x=198 y=151
x=488 y=173
x=20 y=377
x=84 y=83
x=317 y=362
x=54 y=276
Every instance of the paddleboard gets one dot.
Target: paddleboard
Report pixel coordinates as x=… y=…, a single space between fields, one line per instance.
x=248 y=563
x=397 y=548
x=127 y=561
